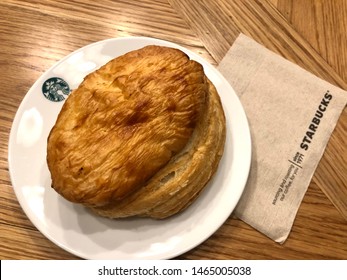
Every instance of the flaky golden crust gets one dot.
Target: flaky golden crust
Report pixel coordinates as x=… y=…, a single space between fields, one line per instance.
x=180 y=181
x=140 y=136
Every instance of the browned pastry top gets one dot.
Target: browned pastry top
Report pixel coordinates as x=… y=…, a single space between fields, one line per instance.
x=124 y=123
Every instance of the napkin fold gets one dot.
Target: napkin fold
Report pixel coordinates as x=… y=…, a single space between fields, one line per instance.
x=291 y=114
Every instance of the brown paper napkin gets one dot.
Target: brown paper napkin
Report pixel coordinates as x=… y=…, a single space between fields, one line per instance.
x=292 y=114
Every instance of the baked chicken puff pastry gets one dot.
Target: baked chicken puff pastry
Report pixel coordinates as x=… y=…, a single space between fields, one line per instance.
x=141 y=136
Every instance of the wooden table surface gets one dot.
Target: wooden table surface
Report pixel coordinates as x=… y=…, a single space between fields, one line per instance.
x=312 y=33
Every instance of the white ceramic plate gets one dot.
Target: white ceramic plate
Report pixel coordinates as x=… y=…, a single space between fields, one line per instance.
x=78 y=231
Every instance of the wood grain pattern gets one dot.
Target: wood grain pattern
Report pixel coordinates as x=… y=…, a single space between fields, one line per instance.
x=324 y=25
x=257 y=19
x=36 y=34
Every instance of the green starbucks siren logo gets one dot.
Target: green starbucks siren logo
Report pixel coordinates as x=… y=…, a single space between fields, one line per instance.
x=55 y=89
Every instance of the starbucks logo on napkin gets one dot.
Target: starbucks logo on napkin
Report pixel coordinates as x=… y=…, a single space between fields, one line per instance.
x=55 y=89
